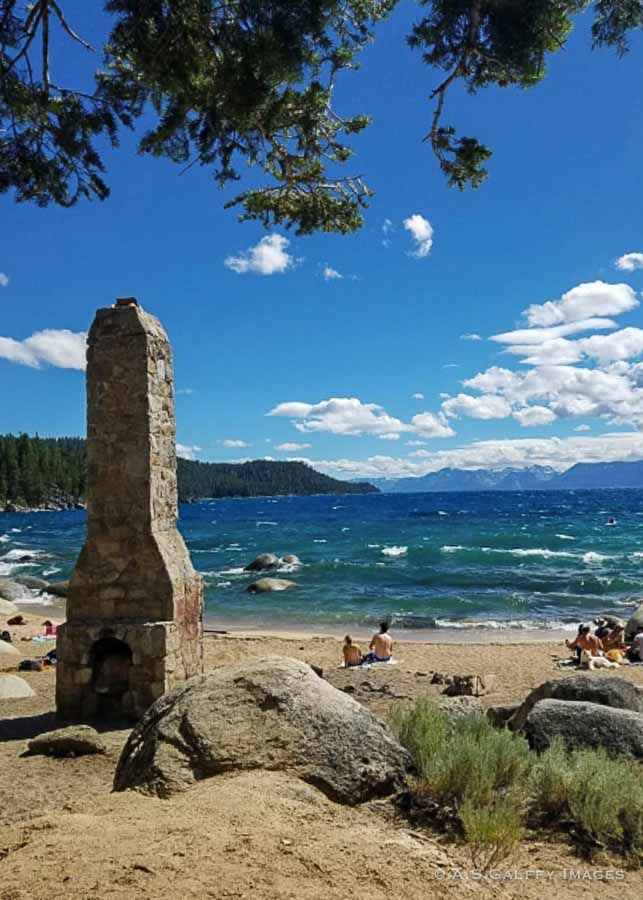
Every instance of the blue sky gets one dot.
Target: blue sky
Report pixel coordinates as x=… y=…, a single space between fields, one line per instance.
x=563 y=203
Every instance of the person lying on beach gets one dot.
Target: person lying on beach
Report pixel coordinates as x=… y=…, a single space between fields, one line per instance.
x=585 y=640
x=352 y=653
x=381 y=646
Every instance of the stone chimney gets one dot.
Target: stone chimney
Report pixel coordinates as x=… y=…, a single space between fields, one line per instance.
x=134 y=604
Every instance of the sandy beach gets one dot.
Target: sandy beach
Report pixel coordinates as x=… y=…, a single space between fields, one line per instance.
x=264 y=834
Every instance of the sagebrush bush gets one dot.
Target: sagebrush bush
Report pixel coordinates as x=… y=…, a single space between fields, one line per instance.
x=550 y=781
x=492 y=831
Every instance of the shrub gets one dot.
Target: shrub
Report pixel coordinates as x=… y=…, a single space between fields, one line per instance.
x=550 y=781
x=493 y=831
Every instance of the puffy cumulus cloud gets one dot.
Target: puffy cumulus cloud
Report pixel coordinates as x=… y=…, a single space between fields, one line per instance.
x=187 y=451
x=417 y=396
x=231 y=442
x=629 y=262
x=349 y=416
x=330 y=274
x=534 y=415
x=55 y=347
x=292 y=447
x=340 y=415
x=432 y=426
x=4 y=280
x=421 y=231
x=487 y=406
x=585 y=301
x=268 y=257
x=470 y=337
x=606 y=348
x=559 y=453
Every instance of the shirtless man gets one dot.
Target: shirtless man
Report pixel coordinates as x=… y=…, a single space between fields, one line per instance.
x=585 y=640
x=381 y=644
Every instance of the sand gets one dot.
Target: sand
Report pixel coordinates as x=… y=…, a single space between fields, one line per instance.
x=266 y=835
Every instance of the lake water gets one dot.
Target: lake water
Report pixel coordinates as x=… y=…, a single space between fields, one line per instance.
x=518 y=561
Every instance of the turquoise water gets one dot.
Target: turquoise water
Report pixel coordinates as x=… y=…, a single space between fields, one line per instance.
x=463 y=560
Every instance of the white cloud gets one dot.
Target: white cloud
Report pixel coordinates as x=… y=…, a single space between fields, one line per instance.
x=629 y=262
x=4 y=280
x=55 y=347
x=534 y=415
x=184 y=392
x=420 y=454
x=349 y=416
x=389 y=436
x=606 y=348
x=230 y=442
x=387 y=229
x=331 y=274
x=291 y=447
x=582 y=428
x=187 y=451
x=594 y=298
x=470 y=337
x=415 y=443
x=268 y=257
x=417 y=396
x=488 y=406
x=432 y=426
x=421 y=231
x=530 y=336
x=559 y=453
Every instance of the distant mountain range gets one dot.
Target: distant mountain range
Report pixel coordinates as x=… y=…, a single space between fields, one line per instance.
x=582 y=476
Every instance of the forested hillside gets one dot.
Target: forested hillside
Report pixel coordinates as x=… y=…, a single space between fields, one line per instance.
x=41 y=472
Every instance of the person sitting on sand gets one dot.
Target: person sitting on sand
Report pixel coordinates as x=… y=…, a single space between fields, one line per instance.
x=614 y=640
x=381 y=645
x=602 y=628
x=585 y=640
x=352 y=653
x=636 y=650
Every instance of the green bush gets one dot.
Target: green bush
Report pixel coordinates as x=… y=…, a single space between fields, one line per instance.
x=550 y=782
x=493 y=831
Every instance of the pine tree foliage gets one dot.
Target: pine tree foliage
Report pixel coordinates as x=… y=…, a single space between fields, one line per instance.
x=35 y=471
x=231 y=84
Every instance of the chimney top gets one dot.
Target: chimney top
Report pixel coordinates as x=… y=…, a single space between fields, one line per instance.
x=126 y=301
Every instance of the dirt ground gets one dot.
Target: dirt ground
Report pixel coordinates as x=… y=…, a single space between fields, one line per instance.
x=260 y=834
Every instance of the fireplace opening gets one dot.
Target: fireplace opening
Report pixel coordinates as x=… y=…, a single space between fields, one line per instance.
x=111 y=661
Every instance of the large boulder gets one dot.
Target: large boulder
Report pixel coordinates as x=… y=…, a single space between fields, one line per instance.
x=262 y=562
x=635 y=621
x=14 y=688
x=8 y=609
x=619 y=731
x=58 y=588
x=10 y=591
x=9 y=656
x=77 y=740
x=31 y=582
x=265 y=585
x=290 y=560
x=270 y=713
x=601 y=688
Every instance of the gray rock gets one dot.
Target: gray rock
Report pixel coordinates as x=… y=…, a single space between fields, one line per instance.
x=463 y=705
x=7 y=649
x=500 y=715
x=58 y=588
x=291 y=560
x=14 y=688
x=11 y=591
x=31 y=582
x=619 y=731
x=262 y=562
x=270 y=713
x=77 y=740
x=635 y=620
x=265 y=585
x=599 y=687
x=8 y=609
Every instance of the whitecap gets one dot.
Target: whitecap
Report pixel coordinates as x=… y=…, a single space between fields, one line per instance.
x=636 y=555
x=19 y=553
x=394 y=551
x=592 y=557
x=320 y=541
x=441 y=512
x=453 y=548
x=16 y=530
x=265 y=523
x=223 y=584
x=51 y=571
x=373 y=546
x=4 y=538
x=346 y=528
x=566 y=537
x=239 y=570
